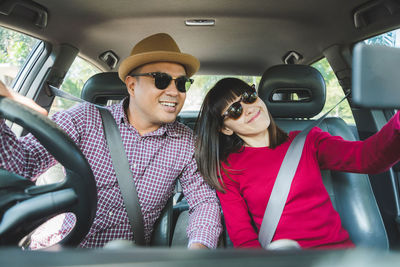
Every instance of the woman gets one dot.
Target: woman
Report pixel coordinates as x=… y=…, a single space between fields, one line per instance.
x=240 y=149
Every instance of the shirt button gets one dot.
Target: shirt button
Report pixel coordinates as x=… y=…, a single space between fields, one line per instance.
x=134 y=165
x=110 y=213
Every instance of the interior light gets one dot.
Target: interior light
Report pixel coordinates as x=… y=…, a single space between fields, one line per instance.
x=200 y=22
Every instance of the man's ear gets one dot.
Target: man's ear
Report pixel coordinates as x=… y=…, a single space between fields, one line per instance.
x=130 y=84
x=227 y=131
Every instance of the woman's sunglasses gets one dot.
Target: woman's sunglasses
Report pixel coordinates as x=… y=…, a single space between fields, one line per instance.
x=235 y=110
x=162 y=80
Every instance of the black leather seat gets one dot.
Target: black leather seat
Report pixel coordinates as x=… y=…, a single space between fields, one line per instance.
x=351 y=193
x=101 y=88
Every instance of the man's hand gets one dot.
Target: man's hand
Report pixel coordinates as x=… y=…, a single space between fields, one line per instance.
x=197 y=246
x=4 y=91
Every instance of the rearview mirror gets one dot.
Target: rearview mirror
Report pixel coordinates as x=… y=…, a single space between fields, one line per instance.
x=376 y=76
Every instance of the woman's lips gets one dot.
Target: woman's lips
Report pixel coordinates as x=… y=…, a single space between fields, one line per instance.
x=255 y=116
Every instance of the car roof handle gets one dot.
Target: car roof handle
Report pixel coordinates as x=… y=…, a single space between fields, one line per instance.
x=8 y=8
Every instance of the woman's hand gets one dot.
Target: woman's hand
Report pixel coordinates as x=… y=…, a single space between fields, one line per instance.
x=6 y=92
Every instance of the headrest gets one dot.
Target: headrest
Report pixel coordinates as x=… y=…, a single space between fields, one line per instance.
x=102 y=87
x=292 y=91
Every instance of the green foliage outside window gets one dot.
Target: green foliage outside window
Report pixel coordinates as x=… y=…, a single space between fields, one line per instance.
x=334 y=93
x=14 y=50
x=15 y=47
x=76 y=77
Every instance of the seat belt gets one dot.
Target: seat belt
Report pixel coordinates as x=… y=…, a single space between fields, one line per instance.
x=283 y=182
x=121 y=166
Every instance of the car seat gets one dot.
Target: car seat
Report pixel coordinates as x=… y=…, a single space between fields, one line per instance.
x=295 y=93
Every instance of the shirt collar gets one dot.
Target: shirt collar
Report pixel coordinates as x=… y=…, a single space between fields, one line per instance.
x=170 y=129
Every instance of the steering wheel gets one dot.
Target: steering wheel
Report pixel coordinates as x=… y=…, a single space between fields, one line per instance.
x=23 y=205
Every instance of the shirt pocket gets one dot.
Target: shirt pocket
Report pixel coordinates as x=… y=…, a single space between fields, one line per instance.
x=156 y=186
x=110 y=209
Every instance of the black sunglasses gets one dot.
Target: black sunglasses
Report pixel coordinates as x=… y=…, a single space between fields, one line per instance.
x=162 y=80
x=235 y=110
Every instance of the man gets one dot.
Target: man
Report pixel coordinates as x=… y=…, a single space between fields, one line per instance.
x=159 y=149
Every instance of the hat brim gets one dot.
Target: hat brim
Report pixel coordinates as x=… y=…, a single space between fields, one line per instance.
x=190 y=63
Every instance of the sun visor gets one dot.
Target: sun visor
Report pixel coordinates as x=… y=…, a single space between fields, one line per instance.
x=376 y=76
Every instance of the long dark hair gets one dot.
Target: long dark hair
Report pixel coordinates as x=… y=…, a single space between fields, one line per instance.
x=214 y=147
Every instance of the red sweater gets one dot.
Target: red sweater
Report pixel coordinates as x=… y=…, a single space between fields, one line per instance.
x=308 y=216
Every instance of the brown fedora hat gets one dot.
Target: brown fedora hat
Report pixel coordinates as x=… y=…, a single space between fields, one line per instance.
x=159 y=47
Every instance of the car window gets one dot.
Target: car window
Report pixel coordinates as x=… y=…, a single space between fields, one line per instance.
x=15 y=49
x=391 y=39
x=79 y=72
x=334 y=93
x=203 y=83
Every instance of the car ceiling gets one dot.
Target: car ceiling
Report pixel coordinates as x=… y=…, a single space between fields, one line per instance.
x=248 y=36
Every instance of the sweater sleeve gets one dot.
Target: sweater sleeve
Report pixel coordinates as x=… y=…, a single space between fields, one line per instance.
x=373 y=155
x=237 y=218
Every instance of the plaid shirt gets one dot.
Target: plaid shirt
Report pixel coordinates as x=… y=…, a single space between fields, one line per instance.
x=156 y=159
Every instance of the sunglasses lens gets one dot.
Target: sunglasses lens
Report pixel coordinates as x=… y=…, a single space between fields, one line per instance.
x=162 y=80
x=235 y=110
x=249 y=98
x=183 y=84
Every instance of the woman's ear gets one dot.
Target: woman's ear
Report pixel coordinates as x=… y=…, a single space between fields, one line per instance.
x=227 y=131
x=130 y=84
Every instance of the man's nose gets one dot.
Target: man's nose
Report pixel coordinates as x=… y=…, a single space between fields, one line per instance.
x=171 y=89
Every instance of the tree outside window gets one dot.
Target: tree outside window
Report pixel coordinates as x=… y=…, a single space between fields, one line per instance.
x=15 y=48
